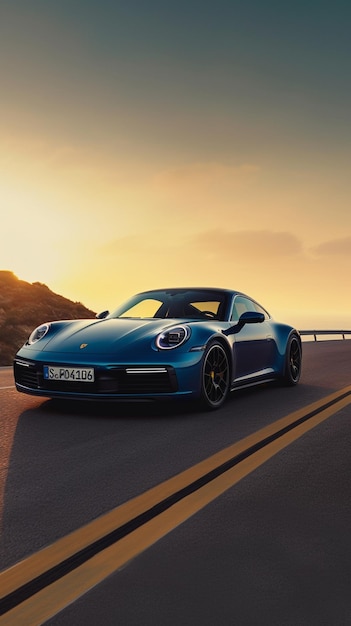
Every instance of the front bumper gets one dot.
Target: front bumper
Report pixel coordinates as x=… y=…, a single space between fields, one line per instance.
x=112 y=382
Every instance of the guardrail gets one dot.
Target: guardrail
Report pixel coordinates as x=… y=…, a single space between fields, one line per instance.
x=315 y=333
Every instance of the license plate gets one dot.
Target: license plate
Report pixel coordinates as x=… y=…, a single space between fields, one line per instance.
x=69 y=374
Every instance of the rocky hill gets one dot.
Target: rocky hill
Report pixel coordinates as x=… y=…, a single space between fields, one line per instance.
x=23 y=306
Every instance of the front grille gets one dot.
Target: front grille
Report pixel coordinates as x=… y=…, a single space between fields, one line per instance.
x=72 y=387
x=114 y=381
x=26 y=374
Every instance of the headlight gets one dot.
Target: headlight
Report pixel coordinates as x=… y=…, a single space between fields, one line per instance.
x=38 y=333
x=172 y=337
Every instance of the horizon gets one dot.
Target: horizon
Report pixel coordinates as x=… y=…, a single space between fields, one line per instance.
x=151 y=146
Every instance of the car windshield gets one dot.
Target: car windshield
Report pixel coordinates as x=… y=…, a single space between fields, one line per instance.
x=175 y=304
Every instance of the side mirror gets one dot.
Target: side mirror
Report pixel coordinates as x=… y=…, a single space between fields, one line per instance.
x=101 y=316
x=249 y=317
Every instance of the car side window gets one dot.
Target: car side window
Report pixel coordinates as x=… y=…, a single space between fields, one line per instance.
x=243 y=304
x=240 y=306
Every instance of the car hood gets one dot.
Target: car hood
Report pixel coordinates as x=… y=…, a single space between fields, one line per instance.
x=107 y=336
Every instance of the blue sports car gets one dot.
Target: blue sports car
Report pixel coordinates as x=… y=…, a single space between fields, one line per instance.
x=196 y=343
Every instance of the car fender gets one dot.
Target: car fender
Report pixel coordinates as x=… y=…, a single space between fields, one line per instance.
x=283 y=333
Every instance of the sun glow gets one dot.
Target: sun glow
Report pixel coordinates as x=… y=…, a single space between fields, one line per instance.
x=130 y=179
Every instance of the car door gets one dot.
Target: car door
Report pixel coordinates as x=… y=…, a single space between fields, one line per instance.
x=253 y=343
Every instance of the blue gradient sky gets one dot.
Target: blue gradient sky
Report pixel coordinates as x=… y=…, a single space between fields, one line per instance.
x=146 y=144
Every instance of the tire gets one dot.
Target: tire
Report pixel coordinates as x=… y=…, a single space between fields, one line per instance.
x=215 y=376
x=293 y=361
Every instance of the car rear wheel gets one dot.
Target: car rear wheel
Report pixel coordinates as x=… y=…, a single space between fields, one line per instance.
x=293 y=361
x=215 y=376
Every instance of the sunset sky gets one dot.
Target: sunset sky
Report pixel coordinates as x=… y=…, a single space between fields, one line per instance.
x=150 y=143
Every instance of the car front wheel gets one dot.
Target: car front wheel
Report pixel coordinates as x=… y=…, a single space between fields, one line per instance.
x=215 y=376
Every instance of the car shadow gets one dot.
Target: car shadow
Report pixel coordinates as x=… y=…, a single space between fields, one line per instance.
x=119 y=410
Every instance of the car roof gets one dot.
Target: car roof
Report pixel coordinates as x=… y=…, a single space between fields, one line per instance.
x=199 y=289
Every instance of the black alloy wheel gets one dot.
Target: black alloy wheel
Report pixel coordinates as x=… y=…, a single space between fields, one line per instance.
x=215 y=381
x=293 y=361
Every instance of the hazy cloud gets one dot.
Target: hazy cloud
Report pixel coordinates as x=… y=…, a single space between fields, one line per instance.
x=205 y=174
x=254 y=243
x=249 y=243
x=334 y=247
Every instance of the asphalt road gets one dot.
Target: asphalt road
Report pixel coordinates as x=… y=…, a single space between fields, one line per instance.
x=273 y=547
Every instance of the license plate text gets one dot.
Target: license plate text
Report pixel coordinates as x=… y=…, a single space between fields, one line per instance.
x=80 y=374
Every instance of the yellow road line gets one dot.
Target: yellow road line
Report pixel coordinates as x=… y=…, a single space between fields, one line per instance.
x=53 y=598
